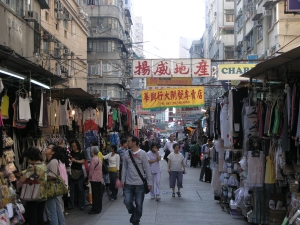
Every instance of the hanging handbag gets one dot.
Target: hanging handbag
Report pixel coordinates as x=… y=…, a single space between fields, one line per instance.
x=146 y=188
x=76 y=174
x=31 y=188
x=56 y=187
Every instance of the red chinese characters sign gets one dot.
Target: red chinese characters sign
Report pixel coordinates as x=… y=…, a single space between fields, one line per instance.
x=173 y=97
x=171 y=68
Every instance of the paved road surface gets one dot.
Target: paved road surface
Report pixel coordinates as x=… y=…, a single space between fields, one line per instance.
x=196 y=206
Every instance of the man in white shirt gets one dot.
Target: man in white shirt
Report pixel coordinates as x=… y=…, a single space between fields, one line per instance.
x=168 y=148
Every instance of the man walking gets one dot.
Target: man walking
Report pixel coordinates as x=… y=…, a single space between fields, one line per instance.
x=205 y=158
x=186 y=149
x=131 y=181
x=168 y=148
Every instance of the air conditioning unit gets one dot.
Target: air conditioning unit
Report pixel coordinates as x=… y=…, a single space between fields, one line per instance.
x=257 y=23
x=59 y=16
x=267 y=53
x=56 y=45
x=67 y=51
x=237 y=48
x=267 y=13
x=31 y=16
x=68 y=17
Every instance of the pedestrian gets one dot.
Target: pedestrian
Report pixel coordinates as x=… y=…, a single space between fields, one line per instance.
x=96 y=181
x=205 y=157
x=113 y=170
x=176 y=169
x=121 y=152
x=145 y=145
x=194 y=151
x=132 y=182
x=154 y=159
x=76 y=178
x=168 y=148
x=35 y=209
x=186 y=150
x=53 y=207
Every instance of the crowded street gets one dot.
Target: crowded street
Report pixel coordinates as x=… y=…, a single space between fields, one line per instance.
x=196 y=206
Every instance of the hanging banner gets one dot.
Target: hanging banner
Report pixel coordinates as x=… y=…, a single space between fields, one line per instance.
x=171 y=68
x=173 y=97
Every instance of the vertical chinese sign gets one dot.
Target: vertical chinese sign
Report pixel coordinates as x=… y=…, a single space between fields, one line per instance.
x=168 y=68
x=173 y=97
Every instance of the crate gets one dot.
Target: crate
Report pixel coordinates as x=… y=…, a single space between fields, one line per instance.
x=276 y=217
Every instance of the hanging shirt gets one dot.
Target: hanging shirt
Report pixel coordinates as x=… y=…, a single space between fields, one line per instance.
x=24 y=109
x=4 y=107
x=63 y=109
x=52 y=111
x=41 y=112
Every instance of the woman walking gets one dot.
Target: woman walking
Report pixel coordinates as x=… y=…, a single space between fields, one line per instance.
x=53 y=205
x=176 y=169
x=96 y=180
x=113 y=170
x=76 y=177
x=36 y=168
x=154 y=159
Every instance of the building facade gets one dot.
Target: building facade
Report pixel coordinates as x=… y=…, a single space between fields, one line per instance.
x=64 y=41
x=263 y=30
x=109 y=48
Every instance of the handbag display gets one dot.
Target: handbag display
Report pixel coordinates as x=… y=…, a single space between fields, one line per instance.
x=56 y=187
x=31 y=188
x=146 y=188
x=76 y=174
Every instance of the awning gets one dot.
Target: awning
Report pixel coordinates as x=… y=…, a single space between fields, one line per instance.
x=23 y=66
x=226 y=27
x=73 y=94
x=257 y=16
x=276 y=67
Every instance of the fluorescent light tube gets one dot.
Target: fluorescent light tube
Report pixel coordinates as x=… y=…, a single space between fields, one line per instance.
x=11 y=73
x=40 y=84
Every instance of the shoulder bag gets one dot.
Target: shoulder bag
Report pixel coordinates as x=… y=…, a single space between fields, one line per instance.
x=31 y=188
x=146 y=188
x=56 y=187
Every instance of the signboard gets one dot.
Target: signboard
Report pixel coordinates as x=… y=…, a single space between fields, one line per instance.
x=173 y=97
x=141 y=111
x=233 y=71
x=191 y=116
x=292 y=6
x=171 y=68
x=168 y=81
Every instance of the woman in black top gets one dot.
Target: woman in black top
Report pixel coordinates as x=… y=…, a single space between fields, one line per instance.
x=76 y=178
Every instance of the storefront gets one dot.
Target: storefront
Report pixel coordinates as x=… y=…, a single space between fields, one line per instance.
x=255 y=159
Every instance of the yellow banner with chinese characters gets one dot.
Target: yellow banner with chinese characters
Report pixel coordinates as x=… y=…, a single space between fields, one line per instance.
x=173 y=97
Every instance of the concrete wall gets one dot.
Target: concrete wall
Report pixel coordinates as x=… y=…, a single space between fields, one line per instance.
x=16 y=33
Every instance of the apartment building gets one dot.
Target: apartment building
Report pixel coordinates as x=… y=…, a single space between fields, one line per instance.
x=64 y=41
x=263 y=29
x=138 y=46
x=109 y=48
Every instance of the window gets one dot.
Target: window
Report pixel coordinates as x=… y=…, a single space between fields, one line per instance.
x=65 y=23
x=105 y=22
x=46 y=47
x=229 y=18
x=94 y=69
x=259 y=32
x=229 y=52
x=73 y=28
x=36 y=42
x=47 y=16
x=66 y=34
x=99 y=45
x=249 y=40
x=57 y=26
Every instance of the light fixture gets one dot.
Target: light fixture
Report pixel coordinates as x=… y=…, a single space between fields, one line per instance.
x=11 y=73
x=39 y=83
x=73 y=112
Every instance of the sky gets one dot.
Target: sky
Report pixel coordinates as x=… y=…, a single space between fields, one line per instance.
x=165 y=21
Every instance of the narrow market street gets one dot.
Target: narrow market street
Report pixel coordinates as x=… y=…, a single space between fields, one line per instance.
x=196 y=206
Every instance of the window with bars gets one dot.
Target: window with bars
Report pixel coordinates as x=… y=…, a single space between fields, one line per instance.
x=229 y=52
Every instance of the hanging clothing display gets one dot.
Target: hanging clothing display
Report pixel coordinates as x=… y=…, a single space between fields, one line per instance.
x=4 y=106
x=63 y=112
x=24 y=109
